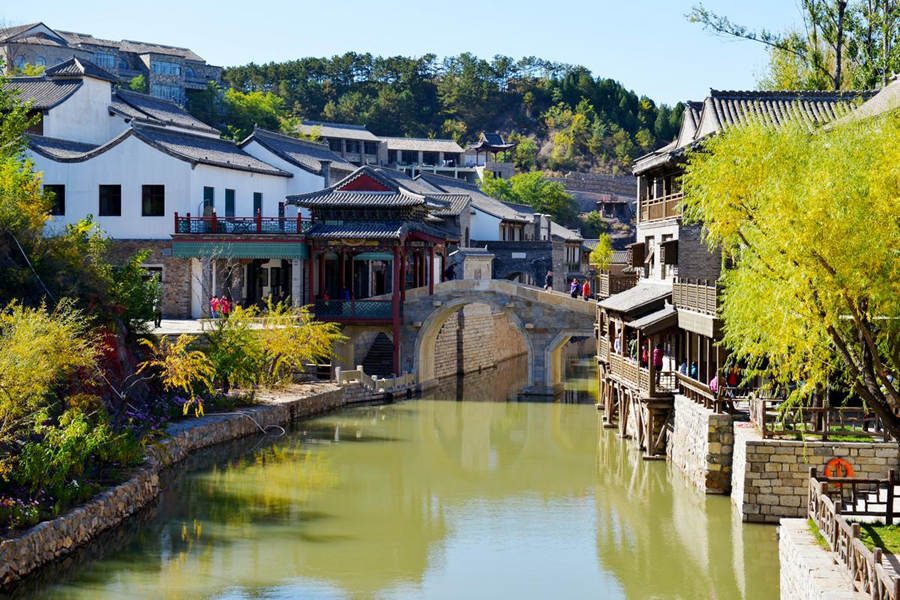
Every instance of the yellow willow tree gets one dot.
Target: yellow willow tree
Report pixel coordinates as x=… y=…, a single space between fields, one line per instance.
x=810 y=223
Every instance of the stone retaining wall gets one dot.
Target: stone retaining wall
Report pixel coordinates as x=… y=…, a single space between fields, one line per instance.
x=701 y=445
x=770 y=478
x=808 y=571
x=50 y=540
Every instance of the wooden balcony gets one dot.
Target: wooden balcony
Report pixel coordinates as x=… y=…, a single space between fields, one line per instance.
x=240 y=225
x=659 y=209
x=610 y=284
x=698 y=295
x=629 y=373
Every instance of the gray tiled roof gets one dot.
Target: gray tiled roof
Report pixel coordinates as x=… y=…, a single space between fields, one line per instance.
x=729 y=108
x=203 y=149
x=337 y=130
x=564 y=233
x=57 y=148
x=43 y=93
x=9 y=32
x=657 y=320
x=143 y=106
x=383 y=230
x=724 y=109
x=75 y=38
x=449 y=205
x=886 y=100
x=480 y=200
x=423 y=144
x=77 y=68
x=494 y=139
x=302 y=153
x=645 y=292
x=329 y=197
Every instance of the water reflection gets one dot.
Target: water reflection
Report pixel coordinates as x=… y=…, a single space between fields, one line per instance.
x=436 y=499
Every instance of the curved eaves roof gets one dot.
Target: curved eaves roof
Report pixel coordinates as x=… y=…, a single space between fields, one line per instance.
x=41 y=92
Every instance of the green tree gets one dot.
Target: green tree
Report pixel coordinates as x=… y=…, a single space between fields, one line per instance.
x=809 y=223
x=531 y=189
x=138 y=84
x=595 y=224
x=602 y=255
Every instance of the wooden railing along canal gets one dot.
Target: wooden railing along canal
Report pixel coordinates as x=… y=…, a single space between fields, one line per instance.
x=774 y=421
x=829 y=501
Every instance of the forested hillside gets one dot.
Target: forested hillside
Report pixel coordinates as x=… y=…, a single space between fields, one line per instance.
x=575 y=121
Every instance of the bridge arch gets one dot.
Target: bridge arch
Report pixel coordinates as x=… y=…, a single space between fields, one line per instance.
x=427 y=335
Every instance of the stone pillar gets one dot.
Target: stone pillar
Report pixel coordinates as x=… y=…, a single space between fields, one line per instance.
x=296 y=282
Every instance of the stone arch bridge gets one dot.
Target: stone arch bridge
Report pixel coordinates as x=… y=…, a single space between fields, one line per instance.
x=546 y=321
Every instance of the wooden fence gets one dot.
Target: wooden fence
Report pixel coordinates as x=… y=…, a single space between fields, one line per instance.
x=773 y=421
x=699 y=295
x=829 y=500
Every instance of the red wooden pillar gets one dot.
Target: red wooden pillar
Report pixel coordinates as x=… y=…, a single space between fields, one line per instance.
x=176 y=223
x=403 y=275
x=430 y=270
x=342 y=271
x=352 y=278
x=395 y=306
x=321 y=273
x=310 y=291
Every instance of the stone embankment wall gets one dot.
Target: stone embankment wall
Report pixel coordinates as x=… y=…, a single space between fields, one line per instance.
x=50 y=540
x=701 y=445
x=770 y=478
x=807 y=570
x=472 y=339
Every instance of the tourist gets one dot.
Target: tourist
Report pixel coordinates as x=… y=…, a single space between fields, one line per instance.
x=225 y=306
x=345 y=294
x=214 y=307
x=632 y=348
x=157 y=310
x=683 y=368
x=282 y=299
x=658 y=361
x=714 y=385
x=548 y=281
x=450 y=273
x=618 y=345
x=693 y=372
x=586 y=290
x=573 y=288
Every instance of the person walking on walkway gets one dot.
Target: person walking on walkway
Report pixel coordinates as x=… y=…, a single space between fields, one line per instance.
x=658 y=361
x=548 y=281
x=573 y=288
x=214 y=307
x=225 y=306
x=586 y=290
x=157 y=310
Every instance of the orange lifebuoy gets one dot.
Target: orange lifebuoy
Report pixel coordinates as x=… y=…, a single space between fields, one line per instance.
x=838 y=467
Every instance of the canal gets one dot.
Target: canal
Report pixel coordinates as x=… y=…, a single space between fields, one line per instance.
x=461 y=494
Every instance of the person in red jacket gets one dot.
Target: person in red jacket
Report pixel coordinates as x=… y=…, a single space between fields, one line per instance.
x=225 y=306
x=586 y=290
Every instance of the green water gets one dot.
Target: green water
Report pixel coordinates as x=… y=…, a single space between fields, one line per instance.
x=429 y=498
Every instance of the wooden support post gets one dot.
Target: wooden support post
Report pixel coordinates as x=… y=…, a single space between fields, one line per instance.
x=310 y=262
x=395 y=305
x=402 y=281
x=352 y=276
x=176 y=223
x=322 y=289
x=889 y=507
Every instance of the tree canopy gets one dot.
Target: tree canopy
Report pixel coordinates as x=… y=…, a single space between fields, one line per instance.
x=809 y=223
x=531 y=189
x=460 y=96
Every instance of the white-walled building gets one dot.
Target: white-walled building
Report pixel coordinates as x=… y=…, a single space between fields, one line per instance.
x=211 y=212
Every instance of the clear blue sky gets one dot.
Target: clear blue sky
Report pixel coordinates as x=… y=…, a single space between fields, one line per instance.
x=648 y=45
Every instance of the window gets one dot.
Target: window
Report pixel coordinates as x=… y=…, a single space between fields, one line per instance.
x=408 y=157
x=59 y=198
x=104 y=59
x=166 y=92
x=229 y=203
x=161 y=67
x=352 y=146
x=371 y=148
x=334 y=145
x=110 y=201
x=392 y=156
x=123 y=64
x=257 y=203
x=40 y=61
x=19 y=62
x=153 y=200
x=189 y=72
x=209 y=200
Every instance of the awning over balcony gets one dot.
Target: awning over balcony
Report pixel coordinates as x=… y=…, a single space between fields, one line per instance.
x=657 y=321
x=641 y=296
x=235 y=249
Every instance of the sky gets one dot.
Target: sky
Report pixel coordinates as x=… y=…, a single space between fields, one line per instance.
x=647 y=45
